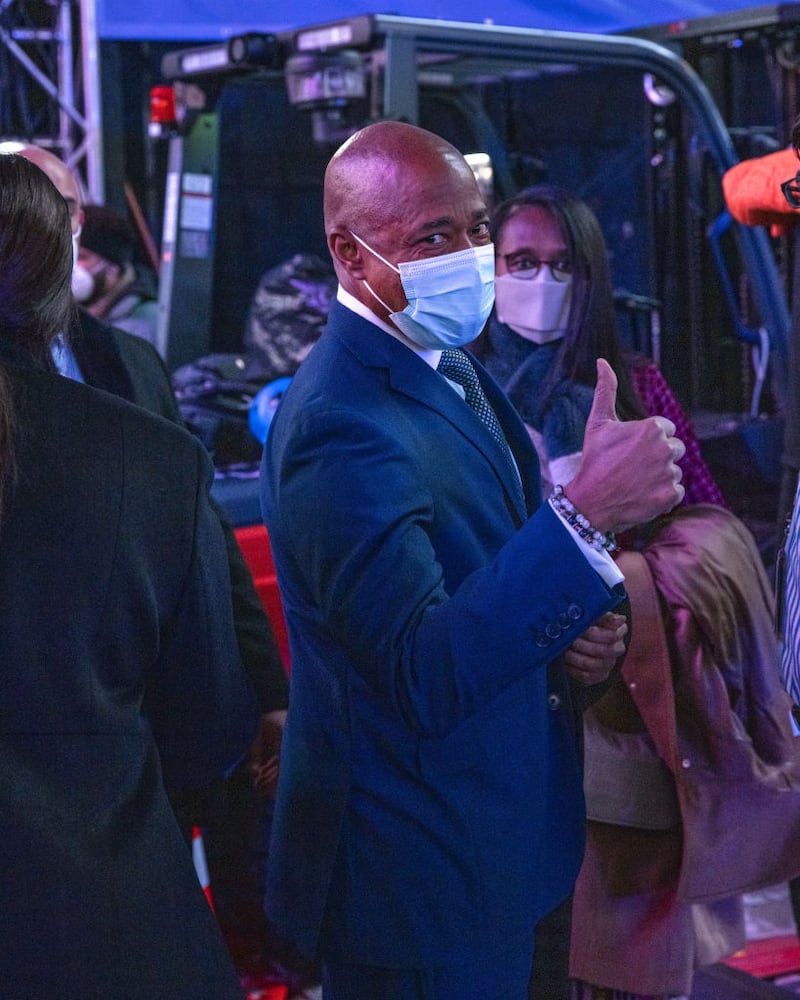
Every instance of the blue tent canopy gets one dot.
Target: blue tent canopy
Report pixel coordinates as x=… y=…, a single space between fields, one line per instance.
x=210 y=20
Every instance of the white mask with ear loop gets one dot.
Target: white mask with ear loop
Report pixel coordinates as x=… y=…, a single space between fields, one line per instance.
x=82 y=280
x=536 y=309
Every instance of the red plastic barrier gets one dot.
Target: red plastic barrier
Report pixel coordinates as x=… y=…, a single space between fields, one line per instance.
x=254 y=543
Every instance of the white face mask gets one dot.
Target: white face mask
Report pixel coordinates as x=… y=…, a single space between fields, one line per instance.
x=449 y=297
x=537 y=309
x=82 y=283
x=82 y=280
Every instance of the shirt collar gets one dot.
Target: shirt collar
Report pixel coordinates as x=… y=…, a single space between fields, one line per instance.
x=430 y=357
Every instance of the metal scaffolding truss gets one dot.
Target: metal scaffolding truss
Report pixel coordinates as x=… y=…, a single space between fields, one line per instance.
x=49 y=82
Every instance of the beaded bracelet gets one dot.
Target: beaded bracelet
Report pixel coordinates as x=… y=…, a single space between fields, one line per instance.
x=563 y=506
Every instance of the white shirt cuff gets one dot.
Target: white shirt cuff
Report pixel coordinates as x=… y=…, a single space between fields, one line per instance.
x=600 y=561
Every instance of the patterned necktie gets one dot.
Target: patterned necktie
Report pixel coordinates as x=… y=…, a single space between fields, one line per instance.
x=456 y=365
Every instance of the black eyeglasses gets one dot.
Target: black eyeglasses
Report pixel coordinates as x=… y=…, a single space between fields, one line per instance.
x=791 y=191
x=525 y=266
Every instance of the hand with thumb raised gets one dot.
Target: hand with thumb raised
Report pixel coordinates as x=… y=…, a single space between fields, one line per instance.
x=604 y=404
x=628 y=474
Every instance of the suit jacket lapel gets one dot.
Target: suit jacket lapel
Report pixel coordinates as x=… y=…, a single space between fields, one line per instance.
x=413 y=377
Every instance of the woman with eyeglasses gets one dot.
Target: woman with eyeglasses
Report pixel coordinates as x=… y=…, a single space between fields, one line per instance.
x=694 y=580
x=554 y=316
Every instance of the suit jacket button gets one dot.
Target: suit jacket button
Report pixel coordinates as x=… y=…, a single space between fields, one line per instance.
x=553 y=702
x=553 y=631
x=575 y=611
x=564 y=620
x=541 y=639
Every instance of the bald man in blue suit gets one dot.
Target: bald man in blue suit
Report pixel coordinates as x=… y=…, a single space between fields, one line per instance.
x=430 y=808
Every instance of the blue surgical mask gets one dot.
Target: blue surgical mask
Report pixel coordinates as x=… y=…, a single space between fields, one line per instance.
x=449 y=297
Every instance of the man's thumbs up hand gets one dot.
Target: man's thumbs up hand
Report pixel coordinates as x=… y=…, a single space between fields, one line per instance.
x=628 y=474
x=604 y=405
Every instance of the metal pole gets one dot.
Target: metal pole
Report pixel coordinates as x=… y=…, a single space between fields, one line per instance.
x=95 y=169
x=66 y=77
x=44 y=82
x=637 y=53
x=169 y=244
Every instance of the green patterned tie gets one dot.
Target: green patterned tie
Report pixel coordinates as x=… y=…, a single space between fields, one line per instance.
x=456 y=365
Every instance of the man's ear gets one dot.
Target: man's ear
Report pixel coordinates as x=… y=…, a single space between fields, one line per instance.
x=346 y=252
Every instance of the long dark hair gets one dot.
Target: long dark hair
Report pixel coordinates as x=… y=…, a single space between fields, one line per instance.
x=35 y=277
x=592 y=326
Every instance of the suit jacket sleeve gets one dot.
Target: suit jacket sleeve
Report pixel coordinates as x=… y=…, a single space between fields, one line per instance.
x=380 y=552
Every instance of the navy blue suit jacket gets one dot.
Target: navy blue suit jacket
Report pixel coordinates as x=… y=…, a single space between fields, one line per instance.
x=430 y=803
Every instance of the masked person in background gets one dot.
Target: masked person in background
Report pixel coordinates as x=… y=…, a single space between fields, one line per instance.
x=553 y=318
x=109 y=281
x=701 y=664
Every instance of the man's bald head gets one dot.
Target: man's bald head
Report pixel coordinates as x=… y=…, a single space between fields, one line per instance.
x=372 y=174
x=395 y=193
x=59 y=173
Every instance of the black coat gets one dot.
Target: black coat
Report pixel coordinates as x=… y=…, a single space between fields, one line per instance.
x=116 y=639
x=131 y=368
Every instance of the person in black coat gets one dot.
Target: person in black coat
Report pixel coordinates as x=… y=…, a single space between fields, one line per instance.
x=230 y=812
x=118 y=362
x=118 y=657
x=131 y=368
x=108 y=358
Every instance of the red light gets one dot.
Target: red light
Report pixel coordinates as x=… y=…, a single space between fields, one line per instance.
x=162 y=105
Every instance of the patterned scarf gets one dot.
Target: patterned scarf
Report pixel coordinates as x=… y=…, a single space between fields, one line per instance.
x=523 y=370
